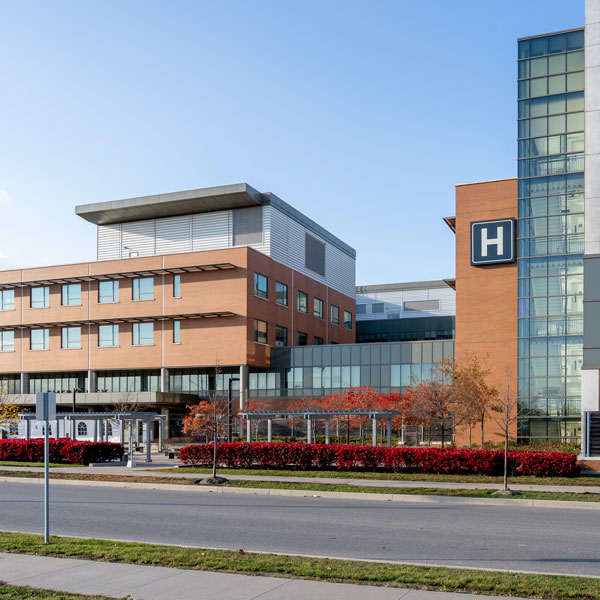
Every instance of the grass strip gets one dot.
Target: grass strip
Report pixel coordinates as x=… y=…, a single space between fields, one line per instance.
x=552 y=587
x=588 y=480
x=13 y=592
x=313 y=487
x=22 y=463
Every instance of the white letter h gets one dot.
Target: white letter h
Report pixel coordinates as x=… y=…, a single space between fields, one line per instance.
x=497 y=241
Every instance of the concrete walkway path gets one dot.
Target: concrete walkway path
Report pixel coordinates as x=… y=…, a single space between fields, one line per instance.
x=153 y=470
x=157 y=583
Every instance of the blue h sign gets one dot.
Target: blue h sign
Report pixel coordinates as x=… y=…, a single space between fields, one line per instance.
x=492 y=242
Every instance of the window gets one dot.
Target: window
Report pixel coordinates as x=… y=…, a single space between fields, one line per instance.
x=347 y=319
x=281 y=335
x=108 y=335
x=318 y=341
x=71 y=294
x=177 y=332
x=260 y=331
x=143 y=288
x=81 y=428
x=281 y=293
x=39 y=339
x=314 y=254
x=7 y=341
x=260 y=285
x=302 y=302
x=335 y=315
x=361 y=309
x=40 y=297
x=71 y=337
x=301 y=339
x=318 y=308
x=176 y=286
x=108 y=291
x=377 y=308
x=143 y=334
x=7 y=299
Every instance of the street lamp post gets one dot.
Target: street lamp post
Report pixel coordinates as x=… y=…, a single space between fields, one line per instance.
x=229 y=424
x=73 y=424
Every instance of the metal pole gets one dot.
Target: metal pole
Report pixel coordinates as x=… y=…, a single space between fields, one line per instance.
x=269 y=430
x=389 y=432
x=249 y=431
x=309 y=430
x=374 y=431
x=327 y=441
x=46 y=474
x=160 y=435
x=73 y=424
x=148 y=456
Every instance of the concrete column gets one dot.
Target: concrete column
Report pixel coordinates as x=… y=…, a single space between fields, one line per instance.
x=374 y=431
x=91 y=382
x=164 y=379
x=24 y=383
x=389 y=433
x=269 y=430
x=166 y=422
x=309 y=431
x=327 y=440
x=147 y=440
x=161 y=435
x=249 y=431
x=27 y=429
x=122 y=432
x=130 y=459
x=96 y=424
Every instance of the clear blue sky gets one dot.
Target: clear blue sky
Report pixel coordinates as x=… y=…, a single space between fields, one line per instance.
x=363 y=115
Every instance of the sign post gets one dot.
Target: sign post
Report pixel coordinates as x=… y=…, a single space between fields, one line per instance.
x=45 y=409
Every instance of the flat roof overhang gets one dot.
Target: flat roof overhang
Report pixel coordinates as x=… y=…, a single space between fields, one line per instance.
x=224 y=197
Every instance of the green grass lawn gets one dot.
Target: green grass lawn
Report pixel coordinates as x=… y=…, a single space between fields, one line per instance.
x=312 y=486
x=591 y=480
x=552 y=587
x=12 y=592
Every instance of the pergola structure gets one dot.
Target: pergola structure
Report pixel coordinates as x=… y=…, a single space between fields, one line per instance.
x=100 y=419
x=323 y=415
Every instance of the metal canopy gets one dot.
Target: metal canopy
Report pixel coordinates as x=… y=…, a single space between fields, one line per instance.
x=84 y=416
x=120 y=275
x=323 y=414
x=223 y=197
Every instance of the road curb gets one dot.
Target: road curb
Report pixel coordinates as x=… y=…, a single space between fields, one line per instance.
x=316 y=494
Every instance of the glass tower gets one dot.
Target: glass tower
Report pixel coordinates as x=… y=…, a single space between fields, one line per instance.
x=550 y=235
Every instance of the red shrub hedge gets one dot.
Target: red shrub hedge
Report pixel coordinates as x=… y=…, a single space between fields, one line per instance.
x=61 y=450
x=368 y=458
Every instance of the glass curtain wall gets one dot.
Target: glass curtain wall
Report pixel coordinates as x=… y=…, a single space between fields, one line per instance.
x=550 y=235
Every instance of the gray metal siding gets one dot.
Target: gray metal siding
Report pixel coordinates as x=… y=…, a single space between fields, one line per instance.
x=138 y=238
x=109 y=242
x=173 y=235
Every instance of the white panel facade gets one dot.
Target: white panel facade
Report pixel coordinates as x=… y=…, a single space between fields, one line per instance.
x=288 y=247
x=138 y=238
x=393 y=303
x=109 y=242
x=283 y=238
x=211 y=231
x=173 y=235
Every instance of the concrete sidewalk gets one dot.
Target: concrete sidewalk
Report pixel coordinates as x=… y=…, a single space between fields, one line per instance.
x=157 y=583
x=150 y=470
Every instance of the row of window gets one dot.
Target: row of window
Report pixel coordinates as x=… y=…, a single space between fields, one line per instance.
x=556 y=144
x=557 y=224
x=550 y=205
x=554 y=84
x=551 y=105
x=553 y=305
x=551 y=186
x=553 y=366
x=552 y=245
x=281 y=335
x=551 y=165
x=108 y=337
x=540 y=126
x=551 y=346
x=551 y=65
x=108 y=292
x=560 y=42
x=551 y=265
x=261 y=289
x=551 y=286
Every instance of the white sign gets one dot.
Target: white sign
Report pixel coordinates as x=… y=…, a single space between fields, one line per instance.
x=45 y=406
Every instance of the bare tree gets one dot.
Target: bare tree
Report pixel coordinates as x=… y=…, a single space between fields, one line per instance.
x=433 y=399
x=9 y=412
x=127 y=403
x=210 y=416
x=505 y=413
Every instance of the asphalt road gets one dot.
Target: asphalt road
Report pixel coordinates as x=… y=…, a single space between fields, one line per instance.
x=557 y=540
